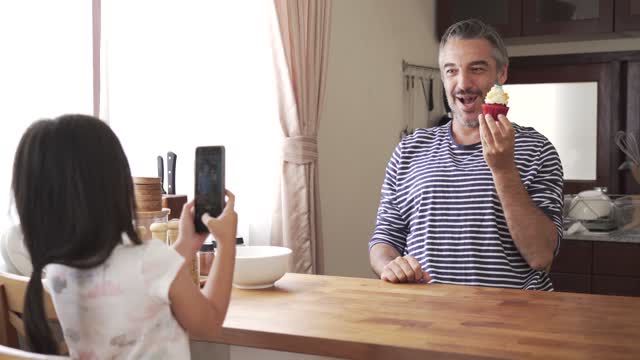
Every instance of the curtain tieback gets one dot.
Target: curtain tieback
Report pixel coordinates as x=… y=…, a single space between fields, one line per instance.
x=300 y=149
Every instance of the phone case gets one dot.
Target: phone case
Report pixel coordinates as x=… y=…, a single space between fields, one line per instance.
x=209 y=183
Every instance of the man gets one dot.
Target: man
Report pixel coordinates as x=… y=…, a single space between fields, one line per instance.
x=477 y=201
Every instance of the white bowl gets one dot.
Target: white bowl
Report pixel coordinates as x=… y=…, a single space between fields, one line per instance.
x=258 y=267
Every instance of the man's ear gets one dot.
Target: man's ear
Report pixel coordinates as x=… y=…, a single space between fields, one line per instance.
x=502 y=75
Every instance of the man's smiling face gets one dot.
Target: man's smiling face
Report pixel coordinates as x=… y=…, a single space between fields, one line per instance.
x=468 y=73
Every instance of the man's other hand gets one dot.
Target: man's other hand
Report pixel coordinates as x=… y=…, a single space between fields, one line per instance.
x=404 y=269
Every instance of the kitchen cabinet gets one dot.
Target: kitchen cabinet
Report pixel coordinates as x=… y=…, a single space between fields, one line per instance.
x=597 y=267
x=504 y=15
x=627 y=16
x=575 y=257
x=611 y=258
x=552 y=17
x=615 y=285
x=571 y=270
x=548 y=18
x=630 y=92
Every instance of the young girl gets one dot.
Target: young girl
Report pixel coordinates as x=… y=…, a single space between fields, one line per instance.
x=116 y=297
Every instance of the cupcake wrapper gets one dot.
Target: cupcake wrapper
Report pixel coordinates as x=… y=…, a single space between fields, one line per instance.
x=495 y=110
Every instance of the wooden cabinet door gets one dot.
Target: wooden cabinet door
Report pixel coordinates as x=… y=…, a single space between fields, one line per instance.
x=616 y=269
x=615 y=285
x=504 y=15
x=554 y=17
x=632 y=115
x=571 y=270
x=574 y=257
x=627 y=15
x=612 y=258
x=576 y=283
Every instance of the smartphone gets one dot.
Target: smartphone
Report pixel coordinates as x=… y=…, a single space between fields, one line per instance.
x=209 y=179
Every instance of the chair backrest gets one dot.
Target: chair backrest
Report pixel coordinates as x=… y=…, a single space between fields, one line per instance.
x=7 y=353
x=12 y=293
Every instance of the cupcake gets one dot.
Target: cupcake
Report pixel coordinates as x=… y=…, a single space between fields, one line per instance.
x=495 y=102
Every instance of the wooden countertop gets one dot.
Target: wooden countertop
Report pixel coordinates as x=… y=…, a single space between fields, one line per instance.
x=359 y=318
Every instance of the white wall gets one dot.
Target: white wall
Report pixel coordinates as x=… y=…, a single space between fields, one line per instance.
x=362 y=116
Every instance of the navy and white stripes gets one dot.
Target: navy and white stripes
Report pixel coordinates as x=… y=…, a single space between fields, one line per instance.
x=439 y=204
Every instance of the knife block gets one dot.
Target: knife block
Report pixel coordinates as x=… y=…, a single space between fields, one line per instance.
x=175 y=203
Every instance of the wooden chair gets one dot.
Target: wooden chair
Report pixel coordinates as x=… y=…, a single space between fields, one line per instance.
x=12 y=293
x=7 y=353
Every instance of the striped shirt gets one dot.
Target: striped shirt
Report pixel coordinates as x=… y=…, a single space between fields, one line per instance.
x=439 y=204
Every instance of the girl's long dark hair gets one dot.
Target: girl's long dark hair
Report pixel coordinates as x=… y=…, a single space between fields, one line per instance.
x=74 y=196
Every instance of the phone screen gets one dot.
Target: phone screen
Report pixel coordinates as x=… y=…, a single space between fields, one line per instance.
x=209 y=190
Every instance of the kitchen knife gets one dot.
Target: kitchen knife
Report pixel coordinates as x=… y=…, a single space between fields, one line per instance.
x=161 y=173
x=171 y=172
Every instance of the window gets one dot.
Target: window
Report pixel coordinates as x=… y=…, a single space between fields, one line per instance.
x=174 y=75
x=182 y=74
x=569 y=120
x=583 y=126
x=46 y=70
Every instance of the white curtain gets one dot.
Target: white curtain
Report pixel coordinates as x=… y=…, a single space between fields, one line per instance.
x=178 y=74
x=45 y=71
x=304 y=28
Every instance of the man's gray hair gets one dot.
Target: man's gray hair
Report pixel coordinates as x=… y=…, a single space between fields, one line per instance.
x=476 y=29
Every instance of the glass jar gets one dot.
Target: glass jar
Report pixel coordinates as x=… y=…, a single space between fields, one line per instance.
x=144 y=219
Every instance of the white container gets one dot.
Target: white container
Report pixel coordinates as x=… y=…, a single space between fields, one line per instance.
x=590 y=205
x=258 y=267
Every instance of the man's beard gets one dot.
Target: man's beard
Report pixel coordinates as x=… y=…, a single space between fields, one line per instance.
x=459 y=115
x=468 y=123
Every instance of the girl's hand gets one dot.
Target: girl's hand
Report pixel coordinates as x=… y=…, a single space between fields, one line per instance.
x=224 y=227
x=187 y=233
x=202 y=312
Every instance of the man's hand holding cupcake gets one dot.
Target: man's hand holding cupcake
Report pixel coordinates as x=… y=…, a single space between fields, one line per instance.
x=496 y=133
